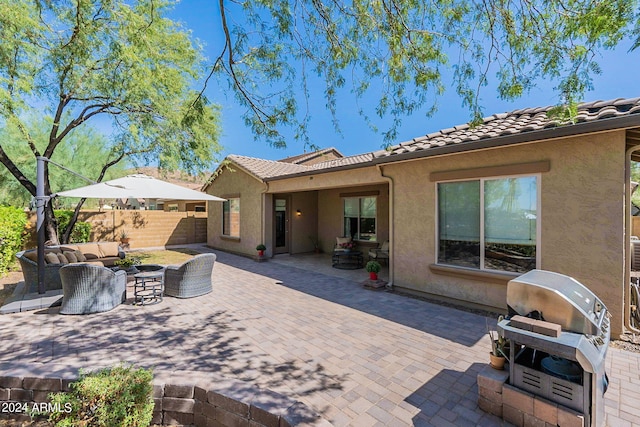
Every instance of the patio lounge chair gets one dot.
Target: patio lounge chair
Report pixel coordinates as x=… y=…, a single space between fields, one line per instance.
x=380 y=254
x=91 y=288
x=191 y=279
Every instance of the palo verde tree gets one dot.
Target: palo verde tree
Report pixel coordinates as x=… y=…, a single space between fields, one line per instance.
x=83 y=150
x=120 y=64
x=401 y=53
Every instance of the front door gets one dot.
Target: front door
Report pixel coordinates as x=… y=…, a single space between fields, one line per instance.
x=281 y=225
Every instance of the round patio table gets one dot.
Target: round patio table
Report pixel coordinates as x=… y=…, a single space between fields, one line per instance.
x=149 y=284
x=351 y=260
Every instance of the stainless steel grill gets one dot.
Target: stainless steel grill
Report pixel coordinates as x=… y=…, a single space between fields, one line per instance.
x=559 y=335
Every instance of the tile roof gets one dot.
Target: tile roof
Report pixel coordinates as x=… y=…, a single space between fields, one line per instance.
x=528 y=123
x=263 y=169
x=517 y=122
x=301 y=158
x=269 y=169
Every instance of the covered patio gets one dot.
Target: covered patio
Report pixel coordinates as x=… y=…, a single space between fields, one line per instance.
x=358 y=357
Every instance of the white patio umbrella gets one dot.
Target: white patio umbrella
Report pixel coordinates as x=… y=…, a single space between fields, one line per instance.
x=138 y=186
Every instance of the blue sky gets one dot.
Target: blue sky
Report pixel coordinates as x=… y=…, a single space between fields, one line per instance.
x=619 y=79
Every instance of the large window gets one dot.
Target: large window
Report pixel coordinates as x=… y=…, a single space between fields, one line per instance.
x=489 y=223
x=360 y=218
x=231 y=217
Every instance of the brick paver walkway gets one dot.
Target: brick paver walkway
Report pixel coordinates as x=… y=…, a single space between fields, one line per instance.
x=358 y=357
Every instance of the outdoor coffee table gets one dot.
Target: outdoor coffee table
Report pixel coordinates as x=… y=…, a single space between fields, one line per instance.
x=149 y=283
x=347 y=260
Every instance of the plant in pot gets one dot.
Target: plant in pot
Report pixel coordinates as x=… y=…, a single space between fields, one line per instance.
x=124 y=237
x=499 y=344
x=373 y=268
x=261 y=248
x=128 y=263
x=348 y=246
x=316 y=244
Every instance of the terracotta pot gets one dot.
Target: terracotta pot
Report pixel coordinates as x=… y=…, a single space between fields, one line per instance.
x=373 y=275
x=496 y=362
x=260 y=253
x=124 y=241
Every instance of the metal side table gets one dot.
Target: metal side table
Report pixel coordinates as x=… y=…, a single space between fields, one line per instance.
x=149 y=284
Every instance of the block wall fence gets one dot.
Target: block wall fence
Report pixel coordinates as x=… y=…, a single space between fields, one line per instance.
x=200 y=404
x=145 y=228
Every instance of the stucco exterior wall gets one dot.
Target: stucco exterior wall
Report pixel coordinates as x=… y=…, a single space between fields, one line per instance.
x=304 y=225
x=236 y=183
x=330 y=214
x=581 y=218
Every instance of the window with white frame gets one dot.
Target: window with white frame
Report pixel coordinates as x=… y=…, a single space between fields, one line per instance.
x=231 y=217
x=360 y=218
x=489 y=223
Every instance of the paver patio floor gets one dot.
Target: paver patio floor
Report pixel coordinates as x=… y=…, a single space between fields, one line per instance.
x=356 y=356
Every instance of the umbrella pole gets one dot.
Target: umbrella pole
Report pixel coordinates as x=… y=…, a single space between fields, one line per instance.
x=41 y=202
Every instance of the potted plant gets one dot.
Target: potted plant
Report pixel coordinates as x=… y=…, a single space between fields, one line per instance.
x=498 y=354
x=316 y=244
x=124 y=237
x=261 y=248
x=373 y=268
x=347 y=246
x=128 y=263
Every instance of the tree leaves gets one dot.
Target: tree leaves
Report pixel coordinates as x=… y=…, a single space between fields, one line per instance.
x=404 y=52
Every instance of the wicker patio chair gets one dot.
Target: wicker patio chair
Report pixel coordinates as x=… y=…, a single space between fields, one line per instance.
x=380 y=254
x=90 y=288
x=191 y=279
x=29 y=269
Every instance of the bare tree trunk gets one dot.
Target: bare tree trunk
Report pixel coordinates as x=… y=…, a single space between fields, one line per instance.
x=50 y=226
x=66 y=236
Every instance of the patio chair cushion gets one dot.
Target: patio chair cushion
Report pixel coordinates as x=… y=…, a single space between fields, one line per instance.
x=32 y=255
x=381 y=253
x=51 y=258
x=89 y=250
x=106 y=252
x=108 y=249
x=341 y=240
x=63 y=259
x=71 y=256
x=80 y=256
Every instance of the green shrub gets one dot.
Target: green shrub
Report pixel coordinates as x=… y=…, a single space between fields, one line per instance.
x=12 y=234
x=81 y=231
x=118 y=396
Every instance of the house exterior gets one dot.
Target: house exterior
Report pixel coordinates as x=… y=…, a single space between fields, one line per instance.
x=465 y=209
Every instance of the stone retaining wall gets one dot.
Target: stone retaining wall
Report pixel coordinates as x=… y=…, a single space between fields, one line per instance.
x=200 y=404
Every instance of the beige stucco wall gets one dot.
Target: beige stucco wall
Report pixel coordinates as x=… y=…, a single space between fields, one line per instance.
x=235 y=182
x=330 y=214
x=305 y=224
x=581 y=218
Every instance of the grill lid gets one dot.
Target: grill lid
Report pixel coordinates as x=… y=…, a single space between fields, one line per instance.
x=559 y=298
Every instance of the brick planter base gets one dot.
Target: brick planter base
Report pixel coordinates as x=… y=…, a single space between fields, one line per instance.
x=519 y=407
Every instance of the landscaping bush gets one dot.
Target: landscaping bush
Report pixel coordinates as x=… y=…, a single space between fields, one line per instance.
x=12 y=234
x=81 y=231
x=117 y=396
